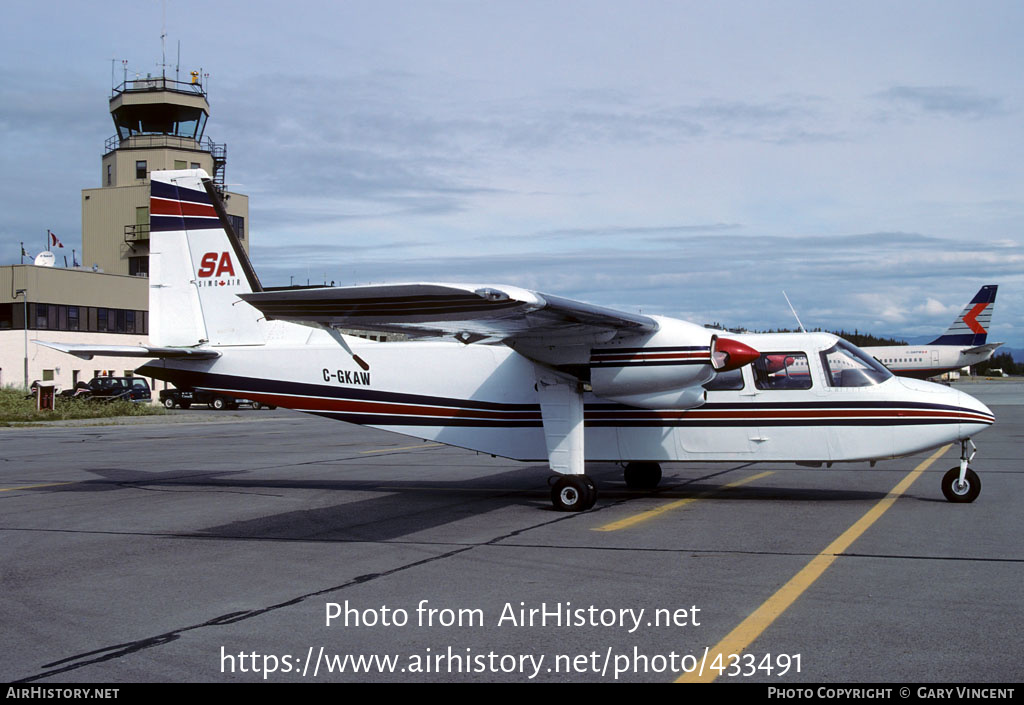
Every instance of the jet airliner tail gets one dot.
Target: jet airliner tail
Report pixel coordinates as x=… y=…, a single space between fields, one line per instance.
x=971 y=326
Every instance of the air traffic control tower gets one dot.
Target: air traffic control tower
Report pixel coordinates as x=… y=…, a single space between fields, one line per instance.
x=160 y=124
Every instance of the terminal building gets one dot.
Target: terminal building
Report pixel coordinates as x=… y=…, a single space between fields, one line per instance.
x=160 y=124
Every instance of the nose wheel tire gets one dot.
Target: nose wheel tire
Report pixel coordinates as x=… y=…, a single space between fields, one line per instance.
x=958 y=492
x=573 y=493
x=642 y=475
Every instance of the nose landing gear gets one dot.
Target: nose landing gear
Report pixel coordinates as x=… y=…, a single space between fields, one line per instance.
x=960 y=484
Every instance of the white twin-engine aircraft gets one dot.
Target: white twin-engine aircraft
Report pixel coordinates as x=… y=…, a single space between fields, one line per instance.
x=520 y=374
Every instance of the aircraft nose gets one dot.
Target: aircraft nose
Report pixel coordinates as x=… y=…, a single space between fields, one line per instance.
x=962 y=414
x=974 y=415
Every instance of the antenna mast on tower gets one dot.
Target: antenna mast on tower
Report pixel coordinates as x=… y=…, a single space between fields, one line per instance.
x=163 y=39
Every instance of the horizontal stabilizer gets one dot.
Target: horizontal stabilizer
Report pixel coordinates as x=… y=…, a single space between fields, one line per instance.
x=986 y=348
x=87 y=352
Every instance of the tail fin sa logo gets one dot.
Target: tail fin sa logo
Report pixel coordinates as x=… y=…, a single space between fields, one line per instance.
x=217 y=264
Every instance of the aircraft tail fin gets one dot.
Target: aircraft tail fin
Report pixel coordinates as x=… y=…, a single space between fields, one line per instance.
x=198 y=267
x=971 y=326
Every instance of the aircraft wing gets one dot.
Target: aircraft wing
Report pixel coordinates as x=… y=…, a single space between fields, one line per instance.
x=469 y=312
x=87 y=352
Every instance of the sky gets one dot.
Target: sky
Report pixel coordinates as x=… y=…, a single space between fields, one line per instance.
x=689 y=159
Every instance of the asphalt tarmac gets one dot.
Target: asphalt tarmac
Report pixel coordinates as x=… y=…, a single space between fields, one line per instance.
x=267 y=545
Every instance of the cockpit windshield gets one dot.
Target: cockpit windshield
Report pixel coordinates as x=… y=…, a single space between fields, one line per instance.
x=846 y=365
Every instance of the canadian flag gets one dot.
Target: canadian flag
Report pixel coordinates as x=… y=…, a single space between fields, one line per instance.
x=54 y=242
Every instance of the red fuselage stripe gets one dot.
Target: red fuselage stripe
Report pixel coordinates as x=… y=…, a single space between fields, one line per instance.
x=159 y=206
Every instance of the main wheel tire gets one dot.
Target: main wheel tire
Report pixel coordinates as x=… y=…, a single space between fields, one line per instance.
x=592 y=494
x=256 y=406
x=168 y=403
x=573 y=493
x=642 y=475
x=961 y=494
x=219 y=403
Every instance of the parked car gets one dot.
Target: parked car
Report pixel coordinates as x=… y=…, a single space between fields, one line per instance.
x=185 y=398
x=111 y=389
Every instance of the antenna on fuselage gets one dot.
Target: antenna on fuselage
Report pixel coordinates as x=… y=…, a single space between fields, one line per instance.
x=802 y=330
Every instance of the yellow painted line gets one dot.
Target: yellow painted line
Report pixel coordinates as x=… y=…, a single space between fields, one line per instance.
x=388 y=450
x=657 y=511
x=32 y=487
x=736 y=641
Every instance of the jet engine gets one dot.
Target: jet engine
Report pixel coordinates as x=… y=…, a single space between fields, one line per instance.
x=665 y=370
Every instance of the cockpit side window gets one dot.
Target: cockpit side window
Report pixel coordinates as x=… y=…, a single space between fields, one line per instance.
x=846 y=365
x=782 y=370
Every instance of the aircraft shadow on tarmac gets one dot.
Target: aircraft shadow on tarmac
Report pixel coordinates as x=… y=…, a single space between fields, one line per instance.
x=410 y=509
x=403 y=507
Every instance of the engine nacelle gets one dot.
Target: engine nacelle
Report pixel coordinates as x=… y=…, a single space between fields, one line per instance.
x=686 y=398
x=664 y=370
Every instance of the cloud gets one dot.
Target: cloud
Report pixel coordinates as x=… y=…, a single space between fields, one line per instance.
x=950 y=101
x=659 y=231
x=934 y=307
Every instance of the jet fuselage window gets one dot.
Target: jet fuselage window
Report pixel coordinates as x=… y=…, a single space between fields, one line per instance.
x=782 y=370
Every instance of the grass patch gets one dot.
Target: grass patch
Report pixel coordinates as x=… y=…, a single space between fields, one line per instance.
x=15 y=408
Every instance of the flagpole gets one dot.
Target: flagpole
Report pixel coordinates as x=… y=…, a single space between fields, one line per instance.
x=47 y=240
x=23 y=252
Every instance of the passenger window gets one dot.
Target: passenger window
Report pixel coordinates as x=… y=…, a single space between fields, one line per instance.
x=782 y=371
x=726 y=381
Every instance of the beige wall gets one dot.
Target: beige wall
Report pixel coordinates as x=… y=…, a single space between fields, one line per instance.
x=80 y=287
x=123 y=163
x=105 y=213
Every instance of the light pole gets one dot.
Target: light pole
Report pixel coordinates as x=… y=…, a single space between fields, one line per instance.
x=24 y=294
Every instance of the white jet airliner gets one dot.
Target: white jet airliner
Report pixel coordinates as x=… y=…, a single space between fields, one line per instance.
x=521 y=374
x=962 y=345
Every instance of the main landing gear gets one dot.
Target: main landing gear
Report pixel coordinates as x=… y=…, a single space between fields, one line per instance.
x=961 y=484
x=573 y=493
x=577 y=493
